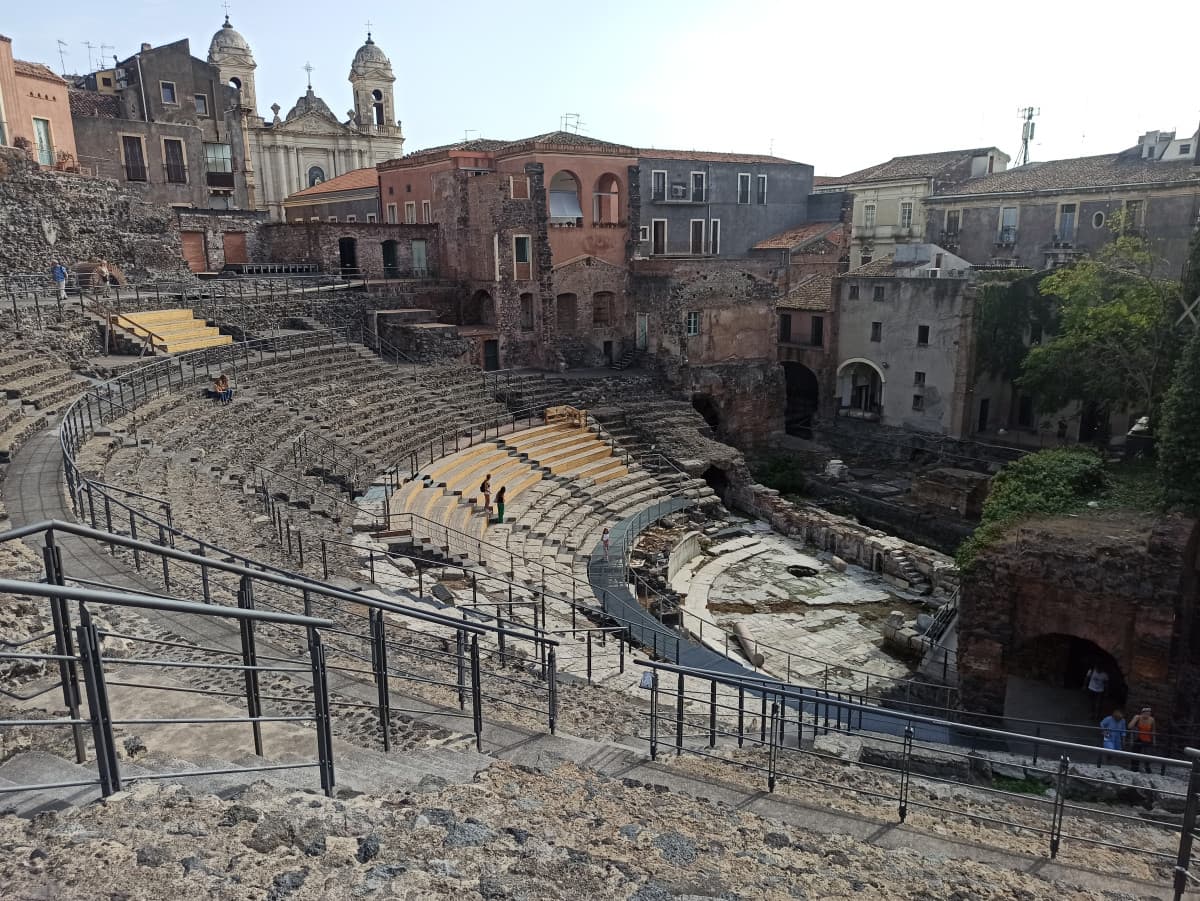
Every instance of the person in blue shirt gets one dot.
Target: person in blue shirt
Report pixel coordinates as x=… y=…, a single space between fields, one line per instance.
x=58 y=272
x=1112 y=731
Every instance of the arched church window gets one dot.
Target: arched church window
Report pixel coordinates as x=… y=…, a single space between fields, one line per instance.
x=316 y=175
x=377 y=106
x=235 y=83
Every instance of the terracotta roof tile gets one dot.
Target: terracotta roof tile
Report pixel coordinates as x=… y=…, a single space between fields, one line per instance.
x=884 y=267
x=795 y=237
x=814 y=294
x=1082 y=172
x=355 y=180
x=93 y=105
x=921 y=165
x=36 y=70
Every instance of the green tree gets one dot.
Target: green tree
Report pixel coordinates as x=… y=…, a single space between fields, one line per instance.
x=1179 y=432
x=1191 y=272
x=1006 y=310
x=1117 y=340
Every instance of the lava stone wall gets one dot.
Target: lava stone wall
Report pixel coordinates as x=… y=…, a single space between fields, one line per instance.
x=317 y=242
x=1128 y=585
x=47 y=215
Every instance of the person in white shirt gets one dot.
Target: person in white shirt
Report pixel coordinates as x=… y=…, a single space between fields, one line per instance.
x=1096 y=683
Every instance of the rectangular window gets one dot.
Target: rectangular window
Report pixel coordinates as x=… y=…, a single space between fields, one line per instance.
x=817 y=331
x=352 y=218
x=601 y=309
x=1133 y=214
x=658 y=236
x=697 y=232
x=658 y=184
x=410 y=212
x=314 y=218
x=919 y=379
x=743 y=187
x=785 y=327
x=1025 y=411
x=953 y=222
x=918 y=401
x=371 y=217
x=218 y=157
x=643 y=233
x=391 y=214
x=1066 y=222
x=761 y=194
x=853 y=295
x=426 y=211
x=876 y=331
x=869 y=216
x=201 y=104
x=922 y=335
x=879 y=292
x=714 y=237
x=693 y=323
x=527 y=312
x=173 y=161
x=133 y=153
x=45 y=142
x=1035 y=333
x=331 y=218
x=698 y=187
x=1008 y=225
x=518 y=187
x=906 y=213
x=522 y=257
x=1185 y=149
x=168 y=92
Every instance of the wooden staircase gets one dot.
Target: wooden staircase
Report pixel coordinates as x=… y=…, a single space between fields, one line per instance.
x=164 y=331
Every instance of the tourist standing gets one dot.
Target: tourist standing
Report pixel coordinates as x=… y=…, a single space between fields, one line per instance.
x=1142 y=728
x=1112 y=731
x=58 y=272
x=605 y=539
x=500 y=504
x=486 y=490
x=1096 y=683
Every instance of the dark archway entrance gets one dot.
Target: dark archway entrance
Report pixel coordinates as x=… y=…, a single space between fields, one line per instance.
x=707 y=407
x=717 y=479
x=479 y=309
x=348 y=255
x=1046 y=677
x=803 y=396
x=391 y=266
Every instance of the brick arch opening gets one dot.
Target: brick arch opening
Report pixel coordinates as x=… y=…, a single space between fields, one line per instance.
x=478 y=309
x=1046 y=679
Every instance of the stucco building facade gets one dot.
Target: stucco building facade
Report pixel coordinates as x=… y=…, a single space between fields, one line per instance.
x=34 y=108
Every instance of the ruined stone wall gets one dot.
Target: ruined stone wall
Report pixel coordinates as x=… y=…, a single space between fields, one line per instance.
x=216 y=224
x=750 y=398
x=318 y=242
x=47 y=215
x=853 y=542
x=1125 y=583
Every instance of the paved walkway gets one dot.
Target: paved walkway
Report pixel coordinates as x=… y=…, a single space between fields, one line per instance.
x=32 y=492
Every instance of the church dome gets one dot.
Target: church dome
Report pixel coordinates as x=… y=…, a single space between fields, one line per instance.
x=369 y=57
x=228 y=40
x=310 y=103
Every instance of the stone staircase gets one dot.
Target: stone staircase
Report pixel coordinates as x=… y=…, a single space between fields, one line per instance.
x=165 y=331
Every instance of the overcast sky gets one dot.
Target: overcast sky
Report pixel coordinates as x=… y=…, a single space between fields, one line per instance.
x=838 y=85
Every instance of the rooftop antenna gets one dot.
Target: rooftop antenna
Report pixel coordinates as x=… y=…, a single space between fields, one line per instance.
x=467 y=132
x=90 y=47
x=1027 y=128
x=771 y=151
x=308 y=67
x=62 y=62
x=572 y=122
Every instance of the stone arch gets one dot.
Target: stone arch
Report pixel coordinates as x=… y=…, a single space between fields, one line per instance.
x=707 y=407
x=377 y=107
x=479 y=309
x=802 y=397
x=1046 y=675
x=718 y=480
x=860 y=386
x=564 y=198
x=315 y=175
x=606 y=200
x=235 y=83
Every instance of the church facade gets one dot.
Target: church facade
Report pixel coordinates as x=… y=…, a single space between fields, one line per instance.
x=309 y=144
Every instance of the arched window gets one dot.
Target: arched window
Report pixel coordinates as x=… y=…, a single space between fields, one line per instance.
x=606 y=200
x=377 y=106
x=235 y=83
x=316 y=175
x=564 y=200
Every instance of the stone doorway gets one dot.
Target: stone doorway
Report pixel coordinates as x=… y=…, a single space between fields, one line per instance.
x=348 y=255
x=1046 y=677
x=803 y=396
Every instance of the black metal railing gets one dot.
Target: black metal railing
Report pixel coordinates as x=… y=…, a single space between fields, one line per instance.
x=776 y=730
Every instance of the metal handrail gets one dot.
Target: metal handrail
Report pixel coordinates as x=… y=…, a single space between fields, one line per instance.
x=330 y=451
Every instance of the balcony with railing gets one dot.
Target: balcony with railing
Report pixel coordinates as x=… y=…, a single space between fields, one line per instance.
x=386 y=131
x=219 y=179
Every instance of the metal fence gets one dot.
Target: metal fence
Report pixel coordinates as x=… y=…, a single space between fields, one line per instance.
x=775 y=730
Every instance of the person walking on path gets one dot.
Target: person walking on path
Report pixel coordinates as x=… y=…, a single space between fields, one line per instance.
x=605 y=538
x=58 y=272
x=486 y=490
x=1142 y=728
x=500 y=504
x=1112 y=731
x=1096 y=683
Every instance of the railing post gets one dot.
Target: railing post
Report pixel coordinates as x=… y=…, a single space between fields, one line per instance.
x=380 y=666
x=137 y=557
x=552 y=683
x=773 y=748
x=589 y=656
x=98 y=710
x=316 y=656
x=460 y=653
x=654 y=714
x=1060 y=805
x=64 y=646
x=712 y=714
x=476 y=692
x=324 y=560
x=679 y=716
x=245 y=600
x=906 y=771
x=742 y=714
x=1187 y=834
x=162 y=542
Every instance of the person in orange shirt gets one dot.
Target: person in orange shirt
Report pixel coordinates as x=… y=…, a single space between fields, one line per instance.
x=1142 y=729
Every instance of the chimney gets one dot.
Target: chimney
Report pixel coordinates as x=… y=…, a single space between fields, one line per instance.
x=145 y=47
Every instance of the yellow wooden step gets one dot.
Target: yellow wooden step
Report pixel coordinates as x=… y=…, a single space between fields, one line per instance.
x=174 y=347
x=148 y=317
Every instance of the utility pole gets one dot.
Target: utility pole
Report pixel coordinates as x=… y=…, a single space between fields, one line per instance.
x=1027 y=128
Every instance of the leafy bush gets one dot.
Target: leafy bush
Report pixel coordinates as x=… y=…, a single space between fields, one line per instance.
x=782 y=472
x=1179 y=433
x=1048 y=483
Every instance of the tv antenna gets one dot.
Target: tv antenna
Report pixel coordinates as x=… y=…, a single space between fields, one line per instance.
x=1027 y=128
x=467 y=132
x=62 y=54
x=572 y=122
x=90 y=47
